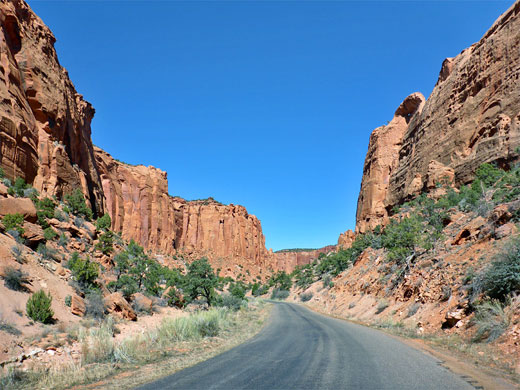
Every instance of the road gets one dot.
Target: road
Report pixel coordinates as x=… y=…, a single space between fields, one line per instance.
x=300 y=349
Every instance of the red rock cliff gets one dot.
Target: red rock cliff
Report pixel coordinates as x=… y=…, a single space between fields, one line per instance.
x=471 y=117
x=44 y=122
x=136 y=198
x=288 y=260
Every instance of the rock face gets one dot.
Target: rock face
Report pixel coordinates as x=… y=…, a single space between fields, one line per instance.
x=471 y=117
x=137 y=200
x=380 y=162
x=288 y=260
x=44 y=122
x=45 y=138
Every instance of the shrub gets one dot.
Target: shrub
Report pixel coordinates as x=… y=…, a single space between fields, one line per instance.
x=63 y=240
x=281 y=280
x=401 y=238
x=61 y=215
x=46 y=252
x=49 y=234
x=231 y=302
x=238 y=290
x=39 y=307
x=259 y=289
x=17 y=252
x=175 y=299
x=95 y=305
x=18 y=188
x=502 y=278
x=306 y=296
x=83 y=270
x=104 y=222
x=8 y=328
x=45 y=210
x=77 y=204
x=14 y=222
x=68 y=300
x=279 y=294
x=491 y=320
x=15 y=279
x=382 y=306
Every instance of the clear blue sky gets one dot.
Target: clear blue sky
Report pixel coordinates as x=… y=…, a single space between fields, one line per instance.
x=267 y=104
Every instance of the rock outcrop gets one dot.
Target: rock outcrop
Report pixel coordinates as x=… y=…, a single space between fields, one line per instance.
x=471 y=117
x=44 y=122
x=137 y=200
x=380 y=162
x=287 y=260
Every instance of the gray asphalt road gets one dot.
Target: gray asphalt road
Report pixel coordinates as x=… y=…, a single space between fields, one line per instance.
x=300 y=349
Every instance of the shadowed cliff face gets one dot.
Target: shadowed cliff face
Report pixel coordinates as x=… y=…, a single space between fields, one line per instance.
x=471 y=117
x=44 y=122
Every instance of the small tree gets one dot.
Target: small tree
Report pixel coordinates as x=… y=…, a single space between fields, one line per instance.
x=83 y=270
x=200 y=281
x=39 y=307
x=77 y=204
x=104 y=222
x=106 y=243
x=45 y=210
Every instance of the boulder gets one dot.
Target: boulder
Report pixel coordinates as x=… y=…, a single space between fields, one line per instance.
x=77 y=306
x=24 y=206
x=33 y=234
x=117 y=305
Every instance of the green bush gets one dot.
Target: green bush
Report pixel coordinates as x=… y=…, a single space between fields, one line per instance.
x=281 y=280
x=68 y=300
x=18 y=188
x=238 y=290
x=47 y=252
x=39 y=307
x=83 y=270
x=14 y=222
x=258 y=289
x=45 y=210
x=49 y=234
x=279 y=294
x=104 y=222
x=106 y=243
x=77 y=204
x=231 y=302
x=502 y=278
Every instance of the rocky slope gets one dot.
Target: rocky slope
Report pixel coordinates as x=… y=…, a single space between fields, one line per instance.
x=471 y=117
x=45 y=139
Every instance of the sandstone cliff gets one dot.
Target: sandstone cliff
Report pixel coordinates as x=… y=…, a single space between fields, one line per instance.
x=288 y=260
x=136 y=198
x=44 y=122
x=471 y=117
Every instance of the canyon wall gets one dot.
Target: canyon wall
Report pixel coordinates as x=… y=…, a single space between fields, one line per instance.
x=471 y=117
x=288 y=260
x=44 y=122
x=137 y=200
x=45 y=138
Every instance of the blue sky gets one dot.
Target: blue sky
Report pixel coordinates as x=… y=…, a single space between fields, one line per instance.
x=267 y=104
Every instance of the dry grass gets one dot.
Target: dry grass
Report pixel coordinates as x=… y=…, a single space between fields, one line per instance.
x=175 y=344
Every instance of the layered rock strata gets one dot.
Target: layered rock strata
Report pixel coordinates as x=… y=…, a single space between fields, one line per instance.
x=136 y=198
x=471 y=117
x=44 y=122
x=288 y=260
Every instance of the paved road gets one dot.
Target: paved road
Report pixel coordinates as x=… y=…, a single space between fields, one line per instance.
x=300 y=349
